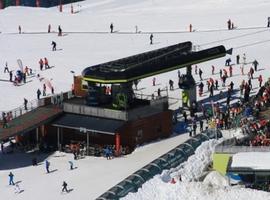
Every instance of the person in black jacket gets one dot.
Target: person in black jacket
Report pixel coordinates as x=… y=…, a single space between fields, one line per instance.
x=38 y=94
x=111 y=27
x=64 y=187
x=151 y=38
x=53 y=45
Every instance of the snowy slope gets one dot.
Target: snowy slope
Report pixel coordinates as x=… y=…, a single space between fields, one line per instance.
x=80 y=50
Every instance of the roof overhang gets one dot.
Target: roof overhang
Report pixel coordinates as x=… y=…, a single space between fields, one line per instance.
x=86 y=124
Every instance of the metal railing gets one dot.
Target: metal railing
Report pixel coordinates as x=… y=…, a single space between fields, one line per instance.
x=19 y=111
x=56 y=99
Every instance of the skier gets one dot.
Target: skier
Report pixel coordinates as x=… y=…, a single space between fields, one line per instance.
x=64 y=187
x=232 y=26
x=200 y=74
x=201 y=85
x=38 y=94
x=59 y=31
x=136 y=29
x=220 y=73
x=242 y=85
x=250 y=83
x=71 y=165
x=185 y=116
x=238 y=59
x=26 y=70
x=20 y=29
x=10 y=76
x=44 y=89
x=211 y=90
x=25 y=101
x=171 y=84
x=255 y=64
x=111 y=27
x=49 y=28
x=244 y=59
x=196 y=69
x=6 y=68
x=151 y=38
x=201 y=125
x=107 y=153
x=47 y=165
x=213 y=69
x=53 y=45
x=228 y=62
x=11 y=176
x=231 y=86
x=242 y=69
x=159 y=92
x=154 y=81
x=230 y=70
x=190 y=28
x=268 y=22
x=46 y=63
x=260 y=80
x=41 y=63
x=229 y=23
x=251 y=71
x=24 y=77
x=216 y=84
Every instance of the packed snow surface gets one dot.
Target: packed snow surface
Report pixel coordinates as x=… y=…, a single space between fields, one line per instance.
x=87 y=42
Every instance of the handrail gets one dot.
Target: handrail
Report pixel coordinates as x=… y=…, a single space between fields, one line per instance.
x=55 y=99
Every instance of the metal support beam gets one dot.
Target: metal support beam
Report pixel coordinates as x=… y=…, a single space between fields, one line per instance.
x=58 y=138
x=37 y=137
x=87 y=143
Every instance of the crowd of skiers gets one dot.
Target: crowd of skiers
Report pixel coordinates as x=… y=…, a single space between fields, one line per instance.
x=223 y=115
x=226 y=73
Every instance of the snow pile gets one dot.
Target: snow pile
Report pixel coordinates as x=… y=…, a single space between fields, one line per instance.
x=216 y=179
x=194 y=191
x=196 y=164
x=215 y=186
